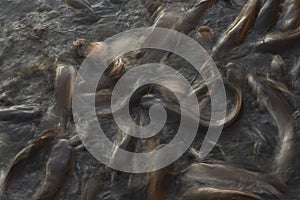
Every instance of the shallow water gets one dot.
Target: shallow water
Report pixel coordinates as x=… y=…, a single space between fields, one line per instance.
x=28 y=60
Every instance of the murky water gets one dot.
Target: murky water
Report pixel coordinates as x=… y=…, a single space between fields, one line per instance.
x=38 y=35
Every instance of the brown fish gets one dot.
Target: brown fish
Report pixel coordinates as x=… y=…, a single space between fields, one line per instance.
x=127 y=143
x=64 y=87
x=279 y=42
x=234 y=111
x=237 y=31
x=283 y=116
x=267 y=16
x=92 y=50
x=295 y=74
x=158 y=181
x=58 y=168
x=92 y=185
x=290 y=18
x=43 y=141
x=181 y=21
x=211 y=193
x=158 y=184
x=225 y=175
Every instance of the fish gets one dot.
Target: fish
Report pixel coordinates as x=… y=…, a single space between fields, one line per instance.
x=92 y=185
x=277 y=64
x=19 y=113
x=181 y=21
x=237 y=31
x=43 y=142
x=127 y=143
x=194 y=15
x=279 y=42
x=158 y=184
x=290 y=18
x=295 y=74
x=185 y=21
x=232 y=114
x=158 y=180
x=59 y=166
x=212 y=193
x=282 y=113
x=217 y=173
x=267 y=16
x=64 y=88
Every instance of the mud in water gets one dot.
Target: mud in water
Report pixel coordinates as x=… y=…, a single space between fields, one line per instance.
x=37 y=37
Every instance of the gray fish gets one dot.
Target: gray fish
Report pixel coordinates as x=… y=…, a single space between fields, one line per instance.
x=283 y=116
x=237 y=31
x=58 y=168
x=267 y=16
x=290 y=18
x=19 y=113
x=212 y=193
x=225 y=175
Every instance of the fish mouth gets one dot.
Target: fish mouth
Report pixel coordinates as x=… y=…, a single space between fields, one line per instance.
x=116 y=69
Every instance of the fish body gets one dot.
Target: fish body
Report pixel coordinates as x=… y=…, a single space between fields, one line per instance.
x=221 y=174
x=92 y=186
x=290 y=18
x=237 y=31
x=58 y=168
x=280 y=42
x=175 y=19
x=282 y=113
x=27 y=155
x=80 y=4
x=210 y=193
x=267 y=16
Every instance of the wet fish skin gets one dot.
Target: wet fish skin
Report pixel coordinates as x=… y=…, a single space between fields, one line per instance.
x=157 y=185
x=237 y=31
x=211 y=193
x=282 y=113
x=158 y=180
x=182 y=21
x=58 y=167
x=92 y=186
x=222 y=174
x=19 y=113
x=267 y=16
x=279 y=42
x=27 y=154
x=295 y=74
x=194 y=15
x=290 y=18
x=174 y=19
x=64 y=87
